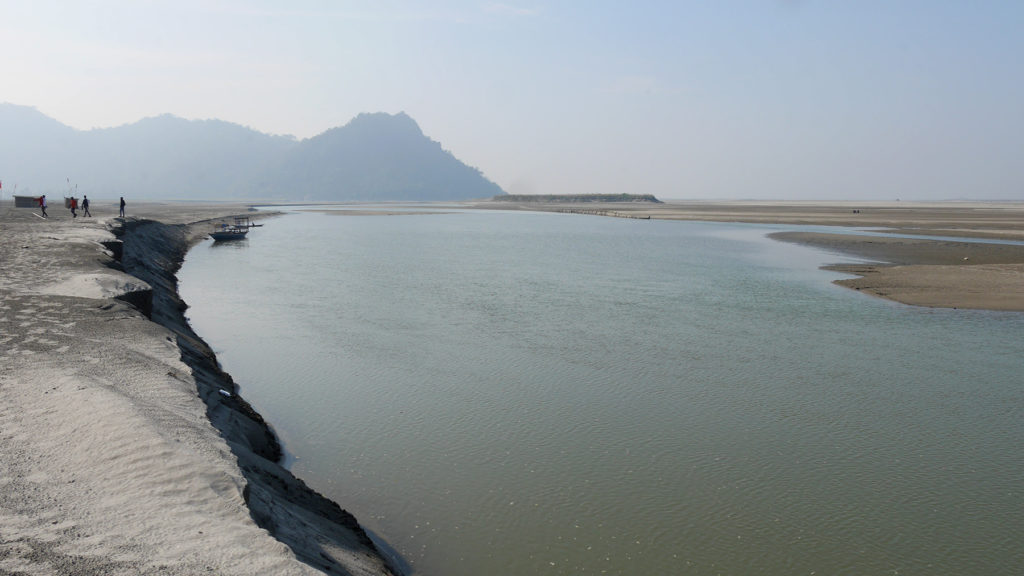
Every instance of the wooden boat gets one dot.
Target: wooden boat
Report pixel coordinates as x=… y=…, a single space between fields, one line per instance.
x=229 y=233
x=235 y=231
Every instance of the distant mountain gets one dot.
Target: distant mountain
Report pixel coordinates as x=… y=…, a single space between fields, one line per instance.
x=375 y=157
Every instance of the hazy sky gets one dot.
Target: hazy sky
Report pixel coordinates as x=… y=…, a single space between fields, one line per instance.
x=783 y=99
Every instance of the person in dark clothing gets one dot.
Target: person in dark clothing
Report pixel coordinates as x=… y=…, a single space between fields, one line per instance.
x=122 y=206
x=85 y=206
x=42 y=204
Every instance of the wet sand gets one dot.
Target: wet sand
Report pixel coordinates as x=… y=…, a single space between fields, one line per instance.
x=937 y=273
x=123 y=447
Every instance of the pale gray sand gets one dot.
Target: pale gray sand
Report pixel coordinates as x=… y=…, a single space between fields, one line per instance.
x=109 y=462
x=923 y=272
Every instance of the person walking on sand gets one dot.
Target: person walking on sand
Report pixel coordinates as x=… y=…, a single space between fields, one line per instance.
x=42 y=204
x=74 y=207
x=122 y=206
x=85 y=206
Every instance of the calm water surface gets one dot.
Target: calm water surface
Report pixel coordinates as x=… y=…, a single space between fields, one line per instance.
x=527 y=393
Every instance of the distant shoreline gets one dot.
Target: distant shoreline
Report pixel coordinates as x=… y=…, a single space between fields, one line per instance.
x=576 y=198
x=919 y=272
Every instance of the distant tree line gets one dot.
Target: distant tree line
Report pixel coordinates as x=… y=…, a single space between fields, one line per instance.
x=576 y=198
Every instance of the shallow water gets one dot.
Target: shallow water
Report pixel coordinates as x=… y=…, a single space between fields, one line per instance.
x=528 y=393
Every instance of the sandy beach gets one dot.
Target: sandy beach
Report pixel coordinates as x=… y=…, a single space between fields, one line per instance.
x=123 y=447
x=916 y=271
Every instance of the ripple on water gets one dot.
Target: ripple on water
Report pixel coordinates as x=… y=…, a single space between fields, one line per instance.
x=541 y=394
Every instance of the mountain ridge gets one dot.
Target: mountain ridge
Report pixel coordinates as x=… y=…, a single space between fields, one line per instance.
x=374 y=157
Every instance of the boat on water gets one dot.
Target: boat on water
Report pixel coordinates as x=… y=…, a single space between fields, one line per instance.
x=228 y=232
x=236 y=231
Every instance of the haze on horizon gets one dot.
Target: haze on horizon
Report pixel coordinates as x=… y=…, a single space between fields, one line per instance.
x=771 y=99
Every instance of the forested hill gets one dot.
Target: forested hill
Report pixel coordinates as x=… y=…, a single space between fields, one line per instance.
x=375 y=157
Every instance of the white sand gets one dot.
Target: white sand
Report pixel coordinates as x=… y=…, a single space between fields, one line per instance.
x=109 y=462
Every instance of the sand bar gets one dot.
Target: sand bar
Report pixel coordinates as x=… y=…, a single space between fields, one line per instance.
x=937 y=273
x=123 y=447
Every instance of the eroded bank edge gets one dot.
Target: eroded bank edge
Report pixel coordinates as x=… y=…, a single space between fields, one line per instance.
x=313 y=526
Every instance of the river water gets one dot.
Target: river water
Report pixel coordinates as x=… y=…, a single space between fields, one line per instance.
x=530 y=393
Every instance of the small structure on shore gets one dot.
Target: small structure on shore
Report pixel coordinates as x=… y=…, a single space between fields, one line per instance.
x=26 y=201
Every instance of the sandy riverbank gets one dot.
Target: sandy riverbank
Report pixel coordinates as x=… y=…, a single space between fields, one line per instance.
x=123 y=448
x=119 y=454
x=921 y=272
